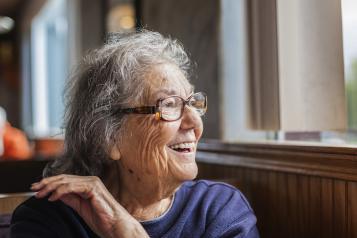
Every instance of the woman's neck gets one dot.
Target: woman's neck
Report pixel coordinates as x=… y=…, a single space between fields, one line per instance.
x=143 y=212
x=143 y=199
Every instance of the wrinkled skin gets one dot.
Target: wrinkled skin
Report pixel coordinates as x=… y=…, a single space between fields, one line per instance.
x=149 y=171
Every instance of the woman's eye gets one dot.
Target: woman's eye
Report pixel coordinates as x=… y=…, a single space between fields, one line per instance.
x=169 y=103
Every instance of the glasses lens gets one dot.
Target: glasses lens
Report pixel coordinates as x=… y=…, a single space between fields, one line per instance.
x=199 y=102
x=171 y=108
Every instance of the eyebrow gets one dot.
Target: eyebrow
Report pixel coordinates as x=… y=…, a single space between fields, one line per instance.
x=167 y=91
x=172 y=91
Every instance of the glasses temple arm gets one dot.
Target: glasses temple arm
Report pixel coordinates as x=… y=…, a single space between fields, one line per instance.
x=137 y=110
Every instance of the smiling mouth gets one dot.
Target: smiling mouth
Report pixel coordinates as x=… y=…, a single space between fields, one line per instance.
x=186 y=147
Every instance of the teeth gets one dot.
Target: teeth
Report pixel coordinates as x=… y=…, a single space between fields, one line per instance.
x=190 y=145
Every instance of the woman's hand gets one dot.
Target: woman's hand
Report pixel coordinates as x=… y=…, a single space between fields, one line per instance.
x=88 y=196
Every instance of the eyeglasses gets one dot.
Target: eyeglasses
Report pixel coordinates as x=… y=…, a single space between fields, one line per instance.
x=171 y=108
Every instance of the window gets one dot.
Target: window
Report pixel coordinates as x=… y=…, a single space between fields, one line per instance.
x=349 y=19
x=235 y=60
x=234 y=72
x=45 y=69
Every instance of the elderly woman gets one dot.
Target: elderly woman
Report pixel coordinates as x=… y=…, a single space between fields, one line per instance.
x=132 y=127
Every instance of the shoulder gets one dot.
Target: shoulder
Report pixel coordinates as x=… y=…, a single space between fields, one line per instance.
x=38 y=208
x=38 y=204
x=216 y=192
x=41 y=218
x=227 y=211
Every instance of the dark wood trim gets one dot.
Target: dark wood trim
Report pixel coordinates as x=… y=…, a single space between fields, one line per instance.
x=218 y=145
x=323 y=161
x=17 y=176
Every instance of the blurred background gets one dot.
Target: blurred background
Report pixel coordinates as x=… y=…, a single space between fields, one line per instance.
x=281 y=79
x=42 y=40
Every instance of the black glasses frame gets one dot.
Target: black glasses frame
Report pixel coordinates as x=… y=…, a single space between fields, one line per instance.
x=156 y=109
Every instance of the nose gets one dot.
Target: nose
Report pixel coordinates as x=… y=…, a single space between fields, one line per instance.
x=191 y=119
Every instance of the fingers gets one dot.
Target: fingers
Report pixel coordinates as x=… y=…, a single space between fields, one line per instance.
x=61 y=185
x=62 y=190
x=45 y=181
x=82 y=190
x=88 y=196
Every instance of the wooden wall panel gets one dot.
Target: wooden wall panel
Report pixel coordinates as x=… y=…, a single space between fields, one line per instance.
x=290 y=194
x=257 y=190
x=314 y=203
x=282 y=202
x=339 y=209
x=291 y=205
x=271 y=188
x=352 y=210
x=292 y=225
x=327 y=218
x=303 y=205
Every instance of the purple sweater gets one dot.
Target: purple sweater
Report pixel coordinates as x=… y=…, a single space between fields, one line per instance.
x=200 y=209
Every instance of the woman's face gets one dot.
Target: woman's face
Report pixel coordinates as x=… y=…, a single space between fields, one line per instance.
x=156 y=151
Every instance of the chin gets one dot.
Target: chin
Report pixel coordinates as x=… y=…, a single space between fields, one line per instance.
x=191 y=176
x=185 y=172
x=182 y=165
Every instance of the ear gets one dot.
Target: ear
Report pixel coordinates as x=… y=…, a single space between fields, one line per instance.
x=115 y=153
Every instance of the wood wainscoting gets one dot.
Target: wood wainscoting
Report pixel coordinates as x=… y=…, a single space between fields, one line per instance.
x=295 y=191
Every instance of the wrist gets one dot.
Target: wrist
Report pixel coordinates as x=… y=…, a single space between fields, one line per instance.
x=125 y=225
x=127 y=228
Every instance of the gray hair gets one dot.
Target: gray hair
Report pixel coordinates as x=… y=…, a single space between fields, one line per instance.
x=109 y=77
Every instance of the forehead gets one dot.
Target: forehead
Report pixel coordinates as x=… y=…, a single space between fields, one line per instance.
x=167 y=79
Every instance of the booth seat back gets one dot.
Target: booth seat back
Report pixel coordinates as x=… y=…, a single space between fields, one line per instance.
x=8 y=203
x=5 y=225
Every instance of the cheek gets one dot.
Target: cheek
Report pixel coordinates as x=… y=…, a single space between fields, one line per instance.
x=147 y=145
x=198 y=128
x=169 y=130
